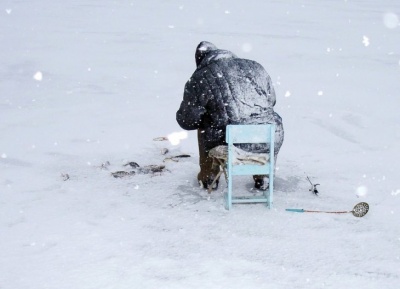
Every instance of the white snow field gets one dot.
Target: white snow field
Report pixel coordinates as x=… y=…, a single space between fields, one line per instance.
x=88 y=82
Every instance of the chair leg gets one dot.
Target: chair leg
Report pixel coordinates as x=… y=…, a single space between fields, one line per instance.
x=226 y=205
x=210 y=187
x=271 y=191
x=229 y=194
x=223 y=168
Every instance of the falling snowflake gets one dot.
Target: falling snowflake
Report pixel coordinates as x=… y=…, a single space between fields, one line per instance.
x=8 y=11
x=3 y=156
x=176 y=137
x=320 y=93
x=390 y=20
x=38 y=76
x=365 y=41
x=287 y=94
x=361 y=191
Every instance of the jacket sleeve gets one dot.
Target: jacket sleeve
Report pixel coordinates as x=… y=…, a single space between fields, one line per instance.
x=267 y=84
x=191 y=112
x=271 y=91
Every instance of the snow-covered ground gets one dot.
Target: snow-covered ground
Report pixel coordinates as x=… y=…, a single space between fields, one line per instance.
x=88 y=82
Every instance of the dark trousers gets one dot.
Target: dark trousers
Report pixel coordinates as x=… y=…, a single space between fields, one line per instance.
x=207 y=170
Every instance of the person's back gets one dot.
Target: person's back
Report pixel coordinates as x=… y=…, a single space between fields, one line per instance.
x=224 y=90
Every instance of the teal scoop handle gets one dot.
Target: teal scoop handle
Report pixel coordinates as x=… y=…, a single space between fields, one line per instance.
x=296 y=210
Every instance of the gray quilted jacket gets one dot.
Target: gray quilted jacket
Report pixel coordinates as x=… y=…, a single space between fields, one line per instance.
x=226 y=89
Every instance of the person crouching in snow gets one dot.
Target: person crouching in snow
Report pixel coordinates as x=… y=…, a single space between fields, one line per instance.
x=225 y=89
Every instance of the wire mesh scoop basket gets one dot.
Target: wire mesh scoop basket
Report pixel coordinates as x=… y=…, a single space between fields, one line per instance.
x=359 y=210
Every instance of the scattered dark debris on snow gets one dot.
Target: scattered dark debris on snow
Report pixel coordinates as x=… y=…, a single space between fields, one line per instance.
x=105 y=165
x=176 y=158
x=132 y=164
x=151 y=169
x=161 y=138
x=122 y=174
x=65 y=177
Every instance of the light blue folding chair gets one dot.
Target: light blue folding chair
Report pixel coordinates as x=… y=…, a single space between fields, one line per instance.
x=250 y=134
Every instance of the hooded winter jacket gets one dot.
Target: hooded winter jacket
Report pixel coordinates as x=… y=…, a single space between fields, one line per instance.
x=226 y=89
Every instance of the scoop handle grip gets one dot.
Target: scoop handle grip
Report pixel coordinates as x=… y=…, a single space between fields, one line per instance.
x=296 y=210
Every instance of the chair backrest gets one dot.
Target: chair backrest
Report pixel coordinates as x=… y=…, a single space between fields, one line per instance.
x=250 y=133
x=263 y=133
